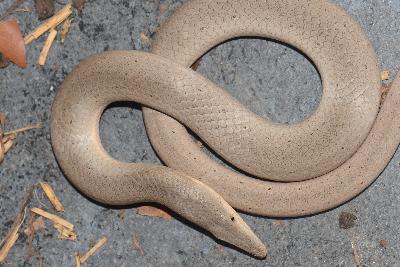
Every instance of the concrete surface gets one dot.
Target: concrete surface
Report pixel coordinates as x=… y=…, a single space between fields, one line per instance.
x=271 y=79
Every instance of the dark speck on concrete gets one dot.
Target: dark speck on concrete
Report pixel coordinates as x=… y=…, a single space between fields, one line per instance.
x=347 y=220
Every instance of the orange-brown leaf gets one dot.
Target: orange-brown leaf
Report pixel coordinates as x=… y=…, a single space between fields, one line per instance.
x=153 y=212
x=12 y=44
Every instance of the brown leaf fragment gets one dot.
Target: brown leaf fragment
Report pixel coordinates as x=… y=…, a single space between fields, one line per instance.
x=136 y=245
x=44 y=8
x=153 y=212
x=4 y=62
x=12 y=236
x=65 y=29
x=357 y=259
x=93 y=250
x=12 y=43
x=78 y=4
x=48 y=190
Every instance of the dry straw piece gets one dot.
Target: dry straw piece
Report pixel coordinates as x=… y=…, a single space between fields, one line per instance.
x=52 y=197
x=77 y=259
x=65 y=229
x=93 y=250
x=52 y=22
x=54 y=218
x=9 y=241
x=65 y=29
x=46 y=47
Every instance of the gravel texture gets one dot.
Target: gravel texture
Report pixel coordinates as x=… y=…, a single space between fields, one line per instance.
x=271 y=79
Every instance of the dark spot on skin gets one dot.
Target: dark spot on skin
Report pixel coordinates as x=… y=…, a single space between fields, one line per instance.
x=347 y=220
x=232 y=219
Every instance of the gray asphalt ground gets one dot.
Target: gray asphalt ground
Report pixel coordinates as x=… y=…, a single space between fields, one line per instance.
x=271 y=79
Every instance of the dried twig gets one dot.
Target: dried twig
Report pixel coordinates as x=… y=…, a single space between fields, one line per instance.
x=65 y=229
x=51 y=23
x=93 y=250
x=46 y=47
x=24 y=129
x=54 y=218
x=77 y=259
x=136 y=245
x=8 y=242
x=357 y=259
x=52 y=197
x=65 y=29
x=31 y=235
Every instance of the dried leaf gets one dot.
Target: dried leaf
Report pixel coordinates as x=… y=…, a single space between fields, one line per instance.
x=24 y=129
x=46 y=47
x=93 y=250
x=44 y=8
x=153 y=212
x=48 y=190
x=51 y=23
x=136 y=245
x=12 y=43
